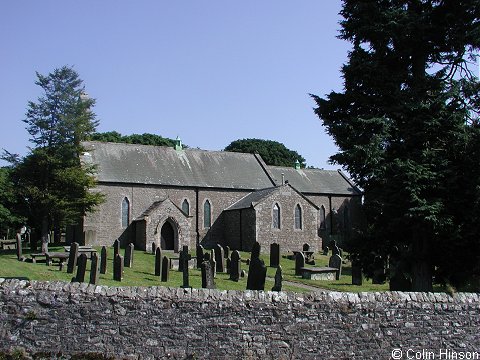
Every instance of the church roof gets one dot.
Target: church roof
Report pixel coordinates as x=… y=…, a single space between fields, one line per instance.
x=315 y=181
x=161 y=165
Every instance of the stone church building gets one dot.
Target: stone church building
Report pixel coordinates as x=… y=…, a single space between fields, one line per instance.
x=175 y=197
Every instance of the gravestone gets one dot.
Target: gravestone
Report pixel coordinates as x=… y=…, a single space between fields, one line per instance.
x=118 y=268
x=165 y=269
x=306 y=247
x=94 y=269
x=274 y=255
x=213 y=263
x=81 y=268
x=158 y=261
x=219 y=259
x=325 y=251
x=72 y=258
x=226 y=251
x=257 y=271
x=235 y=266
x=128 y=259
x=200 y=257
x=228 y=265
x=116 y=248
x=336 y=262
x=103 y=260
x=154 y=247
x=45 y=241
x=18 y=237
x=299 y=263
x=184 y=258
x=356 y=273
x=208 y=281
x=334 y=247
x=278 y=279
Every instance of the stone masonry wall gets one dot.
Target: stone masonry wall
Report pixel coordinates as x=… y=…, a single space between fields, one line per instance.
x=148 y=323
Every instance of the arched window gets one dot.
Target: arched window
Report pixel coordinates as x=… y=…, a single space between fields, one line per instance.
x=323 y=223
x=125 y=213
x=207 y=215
x=276 y=217
x=186 y=207
x=298 y=217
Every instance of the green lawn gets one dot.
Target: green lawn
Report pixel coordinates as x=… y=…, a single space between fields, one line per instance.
x=142 y=273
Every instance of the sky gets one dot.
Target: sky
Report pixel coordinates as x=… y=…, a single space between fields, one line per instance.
x=209 y=72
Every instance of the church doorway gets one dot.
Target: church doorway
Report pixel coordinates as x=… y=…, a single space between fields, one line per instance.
x=167 y=237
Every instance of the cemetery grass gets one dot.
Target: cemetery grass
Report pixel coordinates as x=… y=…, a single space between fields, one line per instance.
x=142 y=273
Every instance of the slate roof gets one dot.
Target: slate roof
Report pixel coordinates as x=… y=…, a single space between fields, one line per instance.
x=161 y=165
x=315 y=181
x=252 y=199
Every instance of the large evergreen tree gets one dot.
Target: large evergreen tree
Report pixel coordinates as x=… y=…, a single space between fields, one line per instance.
x=405 y=125
x=51 y=182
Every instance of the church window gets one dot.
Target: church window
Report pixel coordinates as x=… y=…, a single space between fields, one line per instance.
x=125 y=213
x=276 y=217
x=207 y=215
x=298 y=217
x=186 y=207
x=323 y=223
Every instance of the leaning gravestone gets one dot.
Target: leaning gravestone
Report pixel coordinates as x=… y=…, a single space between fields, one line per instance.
x=200 y=252
x=18 y=237
x=278 y=279
x=128 y=259
x=226 y=252
x=81 y=268
x=235 y=266
x=336 y=262
x=72 y=258
x=219 y=259
x=208 y=281
x=257 y=271
x=356 y=273
x=165 y=269
x=158 y=262
x=184 y=258
x=94 y=270
x=274 y=255
x=299 y=263
x=116 y=248
x=103 y=260
x=118 y=268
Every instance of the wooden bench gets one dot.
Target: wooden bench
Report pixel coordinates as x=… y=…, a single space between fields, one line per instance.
x=319 y=273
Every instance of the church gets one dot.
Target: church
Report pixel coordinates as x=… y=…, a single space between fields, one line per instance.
x=177 y=196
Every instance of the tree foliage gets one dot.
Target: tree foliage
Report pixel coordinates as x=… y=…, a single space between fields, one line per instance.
x=406 y=125
x=50 y=181
x=272 y=152
x=144 y=139
x=9 y=216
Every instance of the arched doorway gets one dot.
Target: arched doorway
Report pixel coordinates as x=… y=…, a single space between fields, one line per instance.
x=167 y=237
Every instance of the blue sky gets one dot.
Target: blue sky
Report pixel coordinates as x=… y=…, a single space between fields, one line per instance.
x=209 y=72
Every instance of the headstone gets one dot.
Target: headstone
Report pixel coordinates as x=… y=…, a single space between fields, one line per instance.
x=219 y=258
x=226 y=251
x=165 y=269
x=154 y=247
x=81 y=268
x=334 y=247
x=356 y=273
x=306 y=247
x=257 y=271
x=116 y=248
x=103 y=260
x=72 y=258
x=158 y=261
x=118 y=268
x=325 y=251
x=243 y=274
x=235 y=266
x=18 y=237
x=299 y=262
x=213 y=263
x=278 y=279
x=274 y=255
x=128 y=259
x=184 y=258
x=208 y=281
x=45 y=241
x=200 y=258
x=94 y=269
x=336 y=262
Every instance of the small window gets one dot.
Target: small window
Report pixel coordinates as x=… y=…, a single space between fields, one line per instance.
x=125 y=213
x=323 y=224
x=207 y=215
x=186 y=207
x=276 y=217
x=298 y=217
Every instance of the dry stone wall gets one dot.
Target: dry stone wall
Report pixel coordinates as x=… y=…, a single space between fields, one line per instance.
x=59 y=319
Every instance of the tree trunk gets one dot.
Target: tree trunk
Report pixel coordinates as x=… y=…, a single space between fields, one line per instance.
x=421 y=268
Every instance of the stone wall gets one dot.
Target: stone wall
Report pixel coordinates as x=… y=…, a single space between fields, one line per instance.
x=147 y=323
